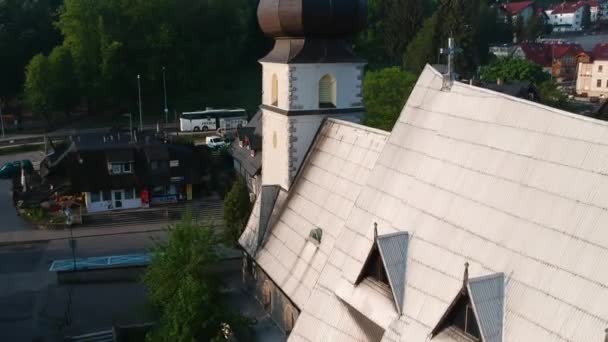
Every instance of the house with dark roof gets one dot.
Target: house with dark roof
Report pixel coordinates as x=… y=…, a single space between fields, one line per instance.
x=246 y=150
x=522 y=89
x=111 y=172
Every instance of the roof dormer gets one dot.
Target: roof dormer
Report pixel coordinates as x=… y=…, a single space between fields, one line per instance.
x=477 y=311
x=386 y=263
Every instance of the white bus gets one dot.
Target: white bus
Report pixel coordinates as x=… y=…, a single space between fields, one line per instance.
x=220 y=120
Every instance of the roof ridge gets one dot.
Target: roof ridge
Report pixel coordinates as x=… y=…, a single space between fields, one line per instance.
x=359 y=126
x=554 y=110
x=486 y=277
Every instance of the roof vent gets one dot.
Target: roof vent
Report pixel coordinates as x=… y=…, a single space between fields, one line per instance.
x=316 y=235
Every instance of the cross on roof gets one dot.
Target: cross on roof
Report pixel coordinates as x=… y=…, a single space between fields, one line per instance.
x=450 y=51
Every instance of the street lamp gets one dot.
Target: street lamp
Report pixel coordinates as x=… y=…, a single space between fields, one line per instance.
x=165 y=89
x=141 y=122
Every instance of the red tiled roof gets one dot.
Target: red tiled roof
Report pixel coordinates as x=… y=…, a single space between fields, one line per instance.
x=560 y=50
x=600 y=51
x=536 y=53
x=543 y=54
x=516 y=7
x=567 y=7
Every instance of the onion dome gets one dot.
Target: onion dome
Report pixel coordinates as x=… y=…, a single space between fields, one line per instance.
x=311 y=18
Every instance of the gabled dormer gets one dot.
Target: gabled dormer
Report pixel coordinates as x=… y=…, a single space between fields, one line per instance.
x=386 y=264
x=477 y=311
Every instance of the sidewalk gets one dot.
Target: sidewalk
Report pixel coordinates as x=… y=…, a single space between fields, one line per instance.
x=28 y=236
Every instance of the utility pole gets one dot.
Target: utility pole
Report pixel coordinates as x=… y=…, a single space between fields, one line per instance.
x=165 y=89
x=141 y=121
x=1 y=119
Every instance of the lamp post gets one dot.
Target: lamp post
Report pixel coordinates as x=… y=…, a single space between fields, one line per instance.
x=141 y=122
x=165 y=89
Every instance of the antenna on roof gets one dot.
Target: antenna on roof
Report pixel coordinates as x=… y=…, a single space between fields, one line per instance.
x=450 y=51
x=465 y=279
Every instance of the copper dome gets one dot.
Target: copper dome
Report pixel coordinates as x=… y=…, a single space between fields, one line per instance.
x=303 y=18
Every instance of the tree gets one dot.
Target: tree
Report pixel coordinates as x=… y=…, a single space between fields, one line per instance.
x=586 y=19
x=26 y=29
x=184 y=289
x=402 y=20
x=38 y=94
x=457 y=20
x=552 y=96
x=237 y=208
x=63 y=80
x=385 y=92
x=424 y=47
x=369 y=43
x=534 y=28
x=513 y=69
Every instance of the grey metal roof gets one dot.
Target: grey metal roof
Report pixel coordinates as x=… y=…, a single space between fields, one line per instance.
x=253 y=165
x=393 y=250
x=268 y=195
x=487 y=295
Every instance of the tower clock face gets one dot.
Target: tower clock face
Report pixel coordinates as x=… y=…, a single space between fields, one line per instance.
x=274 y=139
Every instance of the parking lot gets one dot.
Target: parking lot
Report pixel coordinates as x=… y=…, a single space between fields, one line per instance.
x=10 y=220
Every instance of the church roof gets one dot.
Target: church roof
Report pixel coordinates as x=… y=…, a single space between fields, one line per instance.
x=507 y=185
x=303 y=18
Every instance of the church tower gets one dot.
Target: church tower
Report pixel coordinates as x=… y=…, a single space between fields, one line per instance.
x=311 y=73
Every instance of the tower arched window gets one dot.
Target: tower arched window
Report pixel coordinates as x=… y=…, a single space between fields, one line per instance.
x=327 y=92
x=274 y=100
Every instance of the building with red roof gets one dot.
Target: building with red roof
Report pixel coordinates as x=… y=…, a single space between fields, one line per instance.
x=569 y=16
x=558 y=59
x=521 y=10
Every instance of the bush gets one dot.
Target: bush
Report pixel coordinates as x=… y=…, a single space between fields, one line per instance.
x=184 y=289
x=237 y=207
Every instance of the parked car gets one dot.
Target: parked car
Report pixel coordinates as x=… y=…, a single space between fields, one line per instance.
x=215 y=141
x=13 y=169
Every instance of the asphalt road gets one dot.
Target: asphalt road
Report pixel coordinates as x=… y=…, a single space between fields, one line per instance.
x=10 y=220
x=32 y=305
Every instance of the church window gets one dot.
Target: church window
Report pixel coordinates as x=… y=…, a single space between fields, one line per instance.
x=275 y=91
x=327 y=92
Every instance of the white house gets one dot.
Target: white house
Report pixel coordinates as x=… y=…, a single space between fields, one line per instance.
x=567 y=16
x=592 y=78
